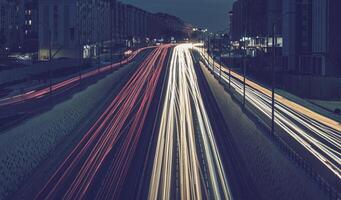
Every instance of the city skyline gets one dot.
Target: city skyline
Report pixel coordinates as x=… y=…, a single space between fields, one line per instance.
x=170 y=99
x=211 y=14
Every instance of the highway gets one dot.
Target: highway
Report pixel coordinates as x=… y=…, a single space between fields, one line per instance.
x=162 y=136
x=110 y=144
x=45 y=91
x=318 y=134
x=187 y=163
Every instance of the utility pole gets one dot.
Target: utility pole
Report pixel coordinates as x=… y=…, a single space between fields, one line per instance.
x=111 y=33
x=244 y=82
x=50 y=60
x=245 y=54
x=229 y=67
x=244 y=70
x=77 y=31
x=212 y=52
x=208 y=49
x=274 y=41
x=220 y=59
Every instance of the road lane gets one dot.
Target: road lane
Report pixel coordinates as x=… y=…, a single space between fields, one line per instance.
x=117 y=130
x=321 y=136
x=185 y=132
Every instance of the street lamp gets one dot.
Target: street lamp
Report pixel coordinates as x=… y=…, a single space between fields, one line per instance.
x=231 y=13
x=50 y=53
x=244 y=69
x=230 y=65
x=49 y=32
x=273 y=71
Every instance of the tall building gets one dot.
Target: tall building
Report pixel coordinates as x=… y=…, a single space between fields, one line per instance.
x=74 y=28
x=11 y=24
x=6 y=23
x=237 y=21
x=255 y=18
x=31 y=25
x=85 y=28
x=274 y=16
x=297 y=35
x=248 y=18
x=326 y=41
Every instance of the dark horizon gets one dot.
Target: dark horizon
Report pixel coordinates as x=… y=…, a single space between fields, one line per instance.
x=191 y=11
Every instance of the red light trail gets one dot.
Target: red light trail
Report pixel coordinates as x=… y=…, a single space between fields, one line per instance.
x=120 y=125
x=36 y=94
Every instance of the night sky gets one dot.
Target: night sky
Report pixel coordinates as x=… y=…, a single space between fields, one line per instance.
x=211 y=14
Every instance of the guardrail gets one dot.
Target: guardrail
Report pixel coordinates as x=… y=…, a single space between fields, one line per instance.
x=285 y=148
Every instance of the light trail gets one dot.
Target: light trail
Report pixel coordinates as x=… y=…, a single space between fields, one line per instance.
x=186 y=133
x=116 y=131
x=318 y=134
x=39 y=93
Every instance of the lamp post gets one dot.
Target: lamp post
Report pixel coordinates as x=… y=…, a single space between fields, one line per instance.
x=229 y=67
x=111 y=33
x=231 y=14
x=49 y=33
x=244 y=70
x=50 y=60
x=273 y=71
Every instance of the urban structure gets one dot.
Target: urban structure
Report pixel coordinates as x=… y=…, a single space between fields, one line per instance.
x=80 y=28
x=11 y=24
x=307 y=41
x=74 y=28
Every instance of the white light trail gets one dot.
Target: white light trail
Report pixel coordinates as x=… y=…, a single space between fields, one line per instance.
x=319 y=135
x=186 y=134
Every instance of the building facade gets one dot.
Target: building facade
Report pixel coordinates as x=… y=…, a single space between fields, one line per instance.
x=86 y=28
x=274 y=16
x=297 y=35
x=11 y=24
x=31 y=26
x=326 y=40
x=74 y=28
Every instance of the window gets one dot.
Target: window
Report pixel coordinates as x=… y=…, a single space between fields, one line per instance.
x=30 y=22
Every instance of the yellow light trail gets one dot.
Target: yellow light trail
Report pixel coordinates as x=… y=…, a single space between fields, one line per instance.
x=318 y=134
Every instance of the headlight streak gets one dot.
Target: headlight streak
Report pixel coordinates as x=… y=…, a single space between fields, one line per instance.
x=320 y=136
x=177 y=128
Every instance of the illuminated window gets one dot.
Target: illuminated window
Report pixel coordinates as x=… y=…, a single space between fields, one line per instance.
x=29 y=12
x=30 y=22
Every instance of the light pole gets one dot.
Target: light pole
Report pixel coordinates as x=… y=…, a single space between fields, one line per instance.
x=231 y=14
x=273 y=71
x=111 y=33
x=50 y=60
x=244 y=70
x=220 y=60
x=274 y=44
x=49 y=33
x=229 y=67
